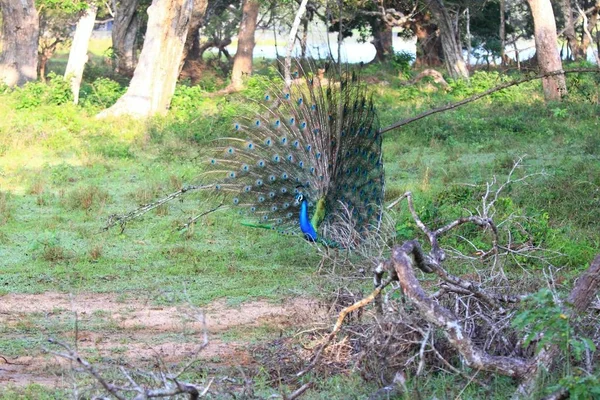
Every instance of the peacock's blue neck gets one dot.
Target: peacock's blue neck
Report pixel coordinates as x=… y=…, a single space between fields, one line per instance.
x=305 y=225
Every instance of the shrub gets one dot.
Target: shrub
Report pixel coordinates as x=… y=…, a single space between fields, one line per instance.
x=56 y=91
x=101 y=93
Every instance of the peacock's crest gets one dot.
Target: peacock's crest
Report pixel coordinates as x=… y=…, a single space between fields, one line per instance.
x=313 y=152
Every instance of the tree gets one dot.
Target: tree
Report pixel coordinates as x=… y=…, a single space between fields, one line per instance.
x=153 y=83
x=78 y=53
x=382 y=40
x=546 y=46
x=124 y=33
x=192 y=42
x=569 y=29
x=242 y=62
x=56 y=19
x=19 y=42
x=452 y=50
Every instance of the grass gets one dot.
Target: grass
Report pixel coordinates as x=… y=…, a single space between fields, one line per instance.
x=63 y=173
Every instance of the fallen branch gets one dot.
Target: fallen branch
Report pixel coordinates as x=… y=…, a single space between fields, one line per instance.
x=447 y=321
x=122 y=220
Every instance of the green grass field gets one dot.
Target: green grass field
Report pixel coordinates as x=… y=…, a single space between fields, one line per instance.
x=63 y=173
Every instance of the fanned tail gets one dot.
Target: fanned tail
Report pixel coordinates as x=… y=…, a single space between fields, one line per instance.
x=322 y=141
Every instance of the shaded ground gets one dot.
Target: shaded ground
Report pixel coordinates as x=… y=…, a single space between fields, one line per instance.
x=133 y=331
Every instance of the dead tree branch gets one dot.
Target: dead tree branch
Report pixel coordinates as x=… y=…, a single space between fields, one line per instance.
x=171 y=385
x=444 y=319
x=122 y=220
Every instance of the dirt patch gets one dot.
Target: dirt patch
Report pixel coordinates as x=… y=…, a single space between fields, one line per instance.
x=134 y=331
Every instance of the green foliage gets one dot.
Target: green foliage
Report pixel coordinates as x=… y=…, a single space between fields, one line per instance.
x=402 y=62
x=481 y=81
x=33 y=94
x=66 y=6
x=101 y=93
x=546 y=323
x=581 y=386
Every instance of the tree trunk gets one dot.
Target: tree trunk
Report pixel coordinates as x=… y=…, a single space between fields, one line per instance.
x=546 y=46
x=502 y=32
x=78 y=54
x=19 y=42
x=452 y=52
x=153 y=83
x=304 y=39
x=429 y=46
x=124 y=32
x=569 y=29
x=287 y=65
x=191 y=49
x=242 y=62
x=382 y=40
x=588 y=28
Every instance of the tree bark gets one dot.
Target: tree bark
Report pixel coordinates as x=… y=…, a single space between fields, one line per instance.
x=191 y=49
x=429 y=47
x=546 y=46
x=453 y=58
x=242 y=62
x=290 y=44
x=78 y=55
x=569 y=30
x=153 y=83
x=382 y=40
x=502 y=32
x=19 y=42
x=124 y=32
x=588 y=27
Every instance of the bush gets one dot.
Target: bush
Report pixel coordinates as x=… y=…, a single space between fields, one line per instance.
x=101 y=93
x=402 y=61
x=56 y=91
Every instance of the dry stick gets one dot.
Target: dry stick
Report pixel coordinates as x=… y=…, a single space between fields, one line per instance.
x=299 y=392
x=143 y=393
x=483 y=94
x=338 y=324
x=431 y=264
x=193 y=220
x=138 y=212
x=73 y=356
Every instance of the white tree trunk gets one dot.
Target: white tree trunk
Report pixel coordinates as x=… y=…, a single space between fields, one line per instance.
x=78 y=55
x=153 y=83
x=546 y=47
x=290 y=43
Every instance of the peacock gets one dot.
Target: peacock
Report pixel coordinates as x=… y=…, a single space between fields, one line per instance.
x=309 y=161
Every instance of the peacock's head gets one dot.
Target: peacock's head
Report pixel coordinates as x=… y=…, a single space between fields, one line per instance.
x=300 y=198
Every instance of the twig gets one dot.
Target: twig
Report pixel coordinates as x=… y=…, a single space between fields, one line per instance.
x=338 y=324
x=299 y=392
x=74 y=356
x=444 y=319
x=138 y=212
x=193 y=220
